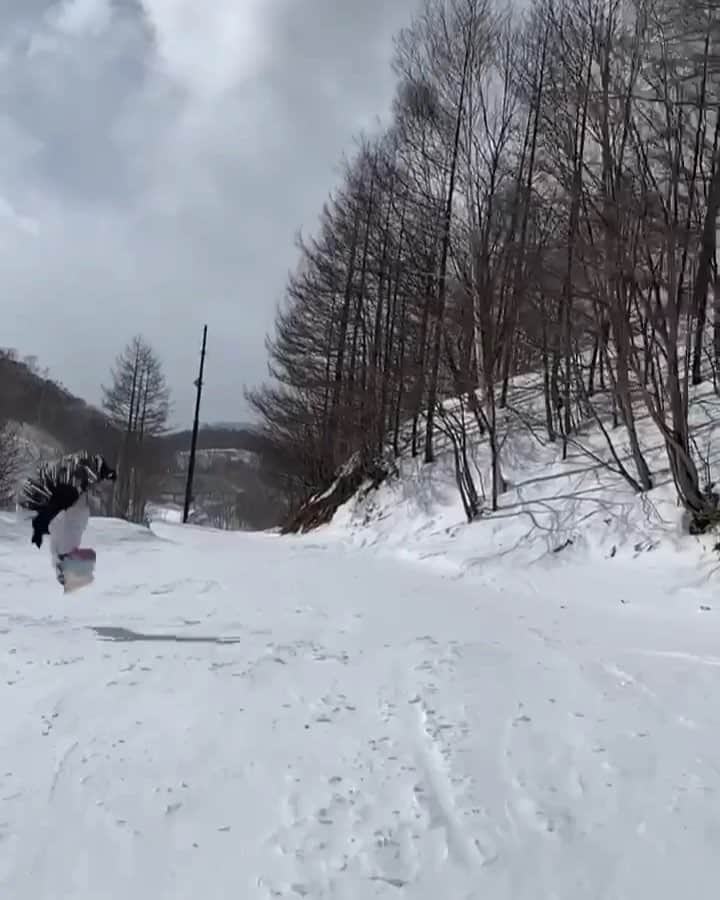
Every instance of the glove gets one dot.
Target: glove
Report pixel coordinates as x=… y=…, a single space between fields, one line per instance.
x=38 y=531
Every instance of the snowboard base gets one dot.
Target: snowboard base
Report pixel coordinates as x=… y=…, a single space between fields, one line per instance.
x=77 y=569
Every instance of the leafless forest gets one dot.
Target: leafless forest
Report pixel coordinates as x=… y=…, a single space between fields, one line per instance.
x=544 y=201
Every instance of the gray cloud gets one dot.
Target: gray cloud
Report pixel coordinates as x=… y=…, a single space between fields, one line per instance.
x=158 y=157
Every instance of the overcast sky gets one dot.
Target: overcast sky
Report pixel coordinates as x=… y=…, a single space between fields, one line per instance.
x=157 y=158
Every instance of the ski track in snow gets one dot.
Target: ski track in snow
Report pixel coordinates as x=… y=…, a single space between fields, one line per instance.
x=255 y=717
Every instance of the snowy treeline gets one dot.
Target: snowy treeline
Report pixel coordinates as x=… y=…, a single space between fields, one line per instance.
x=544 y=200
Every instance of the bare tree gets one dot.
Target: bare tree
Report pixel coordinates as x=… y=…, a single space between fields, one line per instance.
x=138 y=403
x=545 y=200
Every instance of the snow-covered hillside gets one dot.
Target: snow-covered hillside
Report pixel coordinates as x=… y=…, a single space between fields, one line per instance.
x=249 y=716
x=555 y=511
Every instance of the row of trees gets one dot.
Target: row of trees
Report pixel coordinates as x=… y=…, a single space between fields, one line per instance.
x=544 y=200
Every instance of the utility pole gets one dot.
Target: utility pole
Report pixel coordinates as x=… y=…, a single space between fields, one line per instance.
x=193 y=445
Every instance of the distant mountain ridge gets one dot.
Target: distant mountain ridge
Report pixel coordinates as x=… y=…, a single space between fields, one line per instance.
x=216 y=437
x=30 y=397
x=229 y=489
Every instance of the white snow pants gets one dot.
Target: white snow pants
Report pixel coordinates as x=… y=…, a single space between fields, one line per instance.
x=67 y=529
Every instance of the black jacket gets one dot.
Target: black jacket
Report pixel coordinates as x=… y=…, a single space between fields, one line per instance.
x=57 y=486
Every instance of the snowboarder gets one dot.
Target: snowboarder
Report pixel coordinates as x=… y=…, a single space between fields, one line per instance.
x=58 y=495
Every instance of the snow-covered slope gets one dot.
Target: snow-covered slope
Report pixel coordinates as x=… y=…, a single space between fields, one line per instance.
x=555 y=511
x=248 y=716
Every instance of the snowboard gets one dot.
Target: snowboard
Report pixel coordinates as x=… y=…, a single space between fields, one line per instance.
x=76 y=570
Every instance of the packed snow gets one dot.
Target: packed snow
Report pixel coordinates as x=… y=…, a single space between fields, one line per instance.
x=250 y=716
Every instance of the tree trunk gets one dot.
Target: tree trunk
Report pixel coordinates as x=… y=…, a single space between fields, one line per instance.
x=445 y=247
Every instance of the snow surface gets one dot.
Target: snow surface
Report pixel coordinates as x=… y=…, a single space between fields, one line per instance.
x=556 y=511
x=249 y=716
